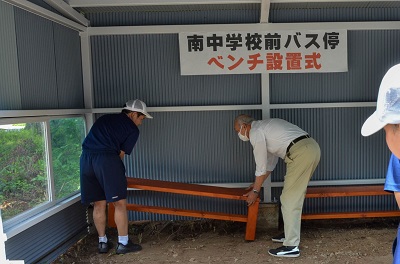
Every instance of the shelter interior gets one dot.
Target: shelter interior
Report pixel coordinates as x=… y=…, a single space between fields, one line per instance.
x=65 y=63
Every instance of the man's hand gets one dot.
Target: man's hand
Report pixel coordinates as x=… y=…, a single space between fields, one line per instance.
x=251 y=186
x=251 y=197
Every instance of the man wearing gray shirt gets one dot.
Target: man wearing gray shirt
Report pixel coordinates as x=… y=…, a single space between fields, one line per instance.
x=275 y=138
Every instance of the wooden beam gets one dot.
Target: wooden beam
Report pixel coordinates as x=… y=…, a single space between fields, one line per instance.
x=189 y=213
x=341 y=191
x=350 y=215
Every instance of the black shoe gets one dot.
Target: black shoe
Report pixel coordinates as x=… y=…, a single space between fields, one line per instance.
x=130 y=247
x=280 y=238
x=287 y=252
x=104 y=247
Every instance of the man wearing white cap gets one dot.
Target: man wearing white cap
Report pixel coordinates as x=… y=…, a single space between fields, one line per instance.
x=387 y=116
x=103 y=172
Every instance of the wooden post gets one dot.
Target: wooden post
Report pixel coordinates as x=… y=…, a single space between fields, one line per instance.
x=252 y=214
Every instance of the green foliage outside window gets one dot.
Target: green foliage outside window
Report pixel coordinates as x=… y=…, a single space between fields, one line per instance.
x=23 y=179
x=23 y=173
x=66 y=140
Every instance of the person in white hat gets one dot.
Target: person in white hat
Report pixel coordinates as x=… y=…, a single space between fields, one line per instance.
x=387 y=116
x=102 y=171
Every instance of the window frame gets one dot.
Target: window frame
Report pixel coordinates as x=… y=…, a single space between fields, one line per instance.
x=29 y=218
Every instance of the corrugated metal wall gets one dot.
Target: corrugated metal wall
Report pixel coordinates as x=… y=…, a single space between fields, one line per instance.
x=67 y=47
x=147 y=67
x=192 y=147
x=345 y=154
x=370 y=54
x=40 y=65
x=36 y=64
x=201 y=146
x=9 y=84
x=49 y=238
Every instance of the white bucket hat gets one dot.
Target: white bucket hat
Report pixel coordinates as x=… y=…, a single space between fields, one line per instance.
x=137 y=106
x=387 y=105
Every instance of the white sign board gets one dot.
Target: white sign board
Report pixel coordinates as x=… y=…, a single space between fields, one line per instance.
x=243 y=52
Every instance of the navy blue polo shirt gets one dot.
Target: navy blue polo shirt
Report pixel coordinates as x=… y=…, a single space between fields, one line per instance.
x=392 y=183
x=112 y=133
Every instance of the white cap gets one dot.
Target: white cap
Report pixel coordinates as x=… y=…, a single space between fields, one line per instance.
x=387 y=105
x=137 y=106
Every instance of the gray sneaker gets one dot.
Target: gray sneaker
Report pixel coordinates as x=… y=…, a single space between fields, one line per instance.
x=279 y=238
x=128 y=248
x=286 y=252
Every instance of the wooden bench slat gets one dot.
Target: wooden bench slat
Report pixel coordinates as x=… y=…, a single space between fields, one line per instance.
x=187 y=188
x=343 y=215
x=340 y=191
x=184 y=212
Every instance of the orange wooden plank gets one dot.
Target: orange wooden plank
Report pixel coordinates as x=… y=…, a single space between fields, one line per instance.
x=187 y=188
x=184 y=212
x=340 y=191
x=252 y=215
x=350 y=215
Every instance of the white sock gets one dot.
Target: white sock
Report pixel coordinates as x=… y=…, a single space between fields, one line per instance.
x=123 y=240
x=103 y=239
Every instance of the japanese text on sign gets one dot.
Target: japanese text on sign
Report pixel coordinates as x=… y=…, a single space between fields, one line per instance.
x=263 y=52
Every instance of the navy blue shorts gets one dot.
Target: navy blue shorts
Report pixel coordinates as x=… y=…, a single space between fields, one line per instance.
x=102 y=177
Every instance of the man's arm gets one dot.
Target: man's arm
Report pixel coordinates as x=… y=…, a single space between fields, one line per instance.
x=122 y=154
x=251 y=195
x=397 y=196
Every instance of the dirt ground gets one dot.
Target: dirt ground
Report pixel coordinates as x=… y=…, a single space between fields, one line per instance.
x=209 y=241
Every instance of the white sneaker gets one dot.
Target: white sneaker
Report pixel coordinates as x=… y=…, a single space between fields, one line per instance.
x=286 y=252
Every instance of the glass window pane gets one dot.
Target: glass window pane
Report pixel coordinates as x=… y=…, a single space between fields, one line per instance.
x=23 y=175
x=66 y=140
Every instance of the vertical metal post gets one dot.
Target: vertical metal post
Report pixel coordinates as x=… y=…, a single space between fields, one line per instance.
x=49 y=162
x=87 y=77
x=265 y=98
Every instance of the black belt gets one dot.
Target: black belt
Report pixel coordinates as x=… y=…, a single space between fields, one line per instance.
x=294 y=141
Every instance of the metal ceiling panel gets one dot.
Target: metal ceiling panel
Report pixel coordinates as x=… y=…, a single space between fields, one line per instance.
x=90 y=6
x=167 y=8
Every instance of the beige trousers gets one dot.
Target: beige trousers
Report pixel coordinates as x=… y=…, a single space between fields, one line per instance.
x=301 y=162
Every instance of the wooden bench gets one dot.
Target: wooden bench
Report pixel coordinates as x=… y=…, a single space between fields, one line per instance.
x=192 y=189
x=346 y=191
